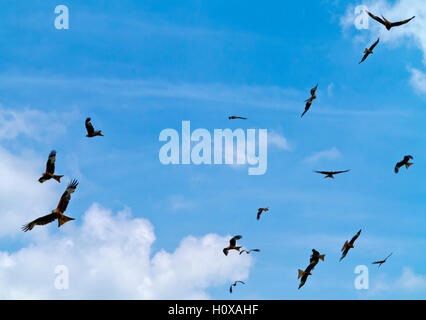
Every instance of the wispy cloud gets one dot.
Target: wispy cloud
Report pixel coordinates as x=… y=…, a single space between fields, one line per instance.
x=277 y=140
x=330 y=154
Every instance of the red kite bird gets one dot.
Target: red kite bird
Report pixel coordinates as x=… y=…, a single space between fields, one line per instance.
x=236 y=117
x=309 y=101
x=348 y=245
x=91 y=131
x=234 y=284
x=260 y=210
x=382 y=261
x=405 y=162
x=330 y=174
x=50 y=169
x=303 y=275
x=369 y=51
x=58 y=213
x=232 y=245
x=387 y=23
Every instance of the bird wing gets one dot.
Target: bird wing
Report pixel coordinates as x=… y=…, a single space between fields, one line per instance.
x=313 y=90
x=259 y=212
x=407 y=158
x=354 y=238
x=323 y=172
x=376 y=18
x=399 y=23
x=233 y=241
x=66 y=196
x=364 y=57
x=40 y=221
x=375 y=44
x=337 y=172
x=89 y=127
x=388 y=256
x=50 y=164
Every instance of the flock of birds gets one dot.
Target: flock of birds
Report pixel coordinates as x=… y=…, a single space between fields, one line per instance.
x=58 y=212
x=316 y=256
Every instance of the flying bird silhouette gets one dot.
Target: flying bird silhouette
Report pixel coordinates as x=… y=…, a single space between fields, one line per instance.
x=248 y=251
x=316 y=256
x=369 y=51
x=234 y=284
x=236 y=117
x=232 y=245
x=330 y=174
x=310 y=100
x=259 y=212
x=91 y=131
x=303 y=275
x=58 y=213
x=382 y=261
x=387 y=23
x=348 y=245
x=50 y=169
x=405 y=162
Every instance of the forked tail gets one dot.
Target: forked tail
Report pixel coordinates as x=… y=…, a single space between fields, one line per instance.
x=63 y=219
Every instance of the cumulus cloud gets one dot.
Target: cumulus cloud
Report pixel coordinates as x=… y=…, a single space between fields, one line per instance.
x=110 y=257
x=330 y=154
x=408 y=281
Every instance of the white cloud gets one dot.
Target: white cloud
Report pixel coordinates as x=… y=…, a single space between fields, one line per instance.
x=408 y=281
x=330 y=154
x=278 y=140
x=110 y=257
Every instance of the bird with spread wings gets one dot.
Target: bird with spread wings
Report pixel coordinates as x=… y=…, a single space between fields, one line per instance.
x=57 y=213
x=382 y=261
x=236 y=117
x=405 y=162
x=234 y=284
x=310 y=100
x=260 y=210
x=233 y=245
x=248 y=251
x=349 y=245
x=91 y=131
x=50 y=169
x=387 y=23
x=369 y=51
x=330 y=174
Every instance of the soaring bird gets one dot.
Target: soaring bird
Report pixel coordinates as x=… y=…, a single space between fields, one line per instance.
x=234 y=284
x=236 y=117
x=309 y=101
x=405 y=162
x=91 y=131
x=330 y=174
x=232 y=245
x=260 y=210
x=316 y=256
x=382 y=261
x=349 y=245
x=58 y=213
x=248 y=251
x=50 y=169
x=387 y=23
x=303 y=275
x=369 y=51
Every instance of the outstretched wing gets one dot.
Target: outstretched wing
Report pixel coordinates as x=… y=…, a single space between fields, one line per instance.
x=233 y=241
x=313 y=90
x=40 y=221
x=323 y=172
x=66 y=196
x=89 y=127
x=407 y=158
x=355 y=237
x=400 y=23
x=376 y=18
x=50 y=164
x=364 y=57
x=375 y=44
x=337 y=172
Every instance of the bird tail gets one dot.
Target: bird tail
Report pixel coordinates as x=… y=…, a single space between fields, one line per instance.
x=409 y=164
x=300 y=273
x=345 y=245
x=63 y=219
x=99 y=133
x=321 y=256
x=57 y=178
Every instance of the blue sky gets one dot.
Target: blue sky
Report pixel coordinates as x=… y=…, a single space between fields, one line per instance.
x=138 y=68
